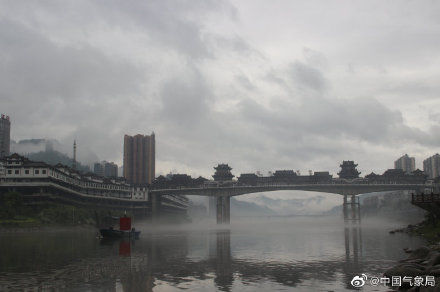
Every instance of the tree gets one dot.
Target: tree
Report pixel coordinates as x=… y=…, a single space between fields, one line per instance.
x=11 y=204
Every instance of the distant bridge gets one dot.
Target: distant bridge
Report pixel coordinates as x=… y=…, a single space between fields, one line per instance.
x=224 y=193
x=39 y=180
x=334 y=188
x=157 y=200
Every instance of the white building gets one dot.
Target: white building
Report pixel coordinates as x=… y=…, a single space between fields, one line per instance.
x=405 y=163
x=19 y=171
x=431 y=166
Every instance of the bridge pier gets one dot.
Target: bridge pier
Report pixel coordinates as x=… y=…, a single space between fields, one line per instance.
x=344 y=207
x=212 y=207
x=223 y=209
x=155 y=207
x=355 y=208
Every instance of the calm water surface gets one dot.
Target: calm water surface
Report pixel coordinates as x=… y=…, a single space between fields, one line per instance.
x=285 y=254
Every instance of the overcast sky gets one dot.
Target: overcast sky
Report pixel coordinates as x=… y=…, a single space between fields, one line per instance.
x=261 y=85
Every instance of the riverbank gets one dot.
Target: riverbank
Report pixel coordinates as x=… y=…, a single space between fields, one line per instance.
x=422 y=267
x=54 y=215
x=15 y=213
x=423 y=262
x=46 y=228
x=426 y=229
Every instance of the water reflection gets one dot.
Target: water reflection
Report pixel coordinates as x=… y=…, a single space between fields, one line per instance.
x=353 y=252
x=223 y=261
x=230 y=261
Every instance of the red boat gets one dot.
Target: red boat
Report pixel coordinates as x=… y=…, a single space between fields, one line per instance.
x=125 y=230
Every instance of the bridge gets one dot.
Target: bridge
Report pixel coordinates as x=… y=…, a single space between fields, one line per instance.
x=223 y=194
x=40 y=180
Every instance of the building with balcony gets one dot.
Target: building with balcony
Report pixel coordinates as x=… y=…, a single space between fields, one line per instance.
x=21 y=174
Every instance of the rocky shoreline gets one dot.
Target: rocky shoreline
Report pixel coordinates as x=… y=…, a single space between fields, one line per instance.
x=409 y=229
x=423 y=261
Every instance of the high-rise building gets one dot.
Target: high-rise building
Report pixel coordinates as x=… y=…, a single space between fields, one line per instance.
x=139 y=158
x=98 y=169
x=106 y=169
x=110 y=169
x=405 y=163
x=5 y=135
x=431 y=166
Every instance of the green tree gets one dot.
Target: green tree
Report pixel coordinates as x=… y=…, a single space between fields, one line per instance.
x=11 y=205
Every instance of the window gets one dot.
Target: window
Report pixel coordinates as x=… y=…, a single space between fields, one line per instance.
x=9 y=171
x=17 y=171
x=37 y=171
x=26 y=171
x=43 y=171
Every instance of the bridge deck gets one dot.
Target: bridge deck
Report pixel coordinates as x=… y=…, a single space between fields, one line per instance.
x=341 y=189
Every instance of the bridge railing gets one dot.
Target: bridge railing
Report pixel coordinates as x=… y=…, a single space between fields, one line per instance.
x=238 y=185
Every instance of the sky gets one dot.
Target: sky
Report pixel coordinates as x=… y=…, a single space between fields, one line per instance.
x=261 y=85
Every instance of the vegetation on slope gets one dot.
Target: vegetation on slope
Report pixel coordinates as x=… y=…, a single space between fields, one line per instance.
x=15 y=213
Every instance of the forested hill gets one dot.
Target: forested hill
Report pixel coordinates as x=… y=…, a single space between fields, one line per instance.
x=54 y=157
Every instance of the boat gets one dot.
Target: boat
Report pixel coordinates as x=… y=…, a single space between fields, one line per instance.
x=125 y=230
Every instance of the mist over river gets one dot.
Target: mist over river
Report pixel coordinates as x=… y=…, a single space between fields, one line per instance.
x=252 y=254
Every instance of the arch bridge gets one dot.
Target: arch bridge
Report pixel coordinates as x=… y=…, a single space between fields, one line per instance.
x=222 y=194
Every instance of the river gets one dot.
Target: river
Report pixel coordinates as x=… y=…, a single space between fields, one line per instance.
x=252 y=254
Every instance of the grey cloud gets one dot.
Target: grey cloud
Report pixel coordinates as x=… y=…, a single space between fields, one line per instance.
x=32 y=62
x=185 y=100
x=245 y=82
x=307 y=77
x=50 y=89
x=413 y=90
x=176 y=25
x=315 y=58
x=100 y=69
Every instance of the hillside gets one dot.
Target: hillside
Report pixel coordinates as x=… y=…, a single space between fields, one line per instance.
x=54 y=157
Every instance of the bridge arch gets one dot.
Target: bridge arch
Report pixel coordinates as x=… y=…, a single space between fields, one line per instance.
x=223 y=194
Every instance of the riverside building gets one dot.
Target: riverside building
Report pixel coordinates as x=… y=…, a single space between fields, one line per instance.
x=63 y=183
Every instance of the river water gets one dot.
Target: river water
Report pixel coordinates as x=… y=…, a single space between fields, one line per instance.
x=271 y=254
